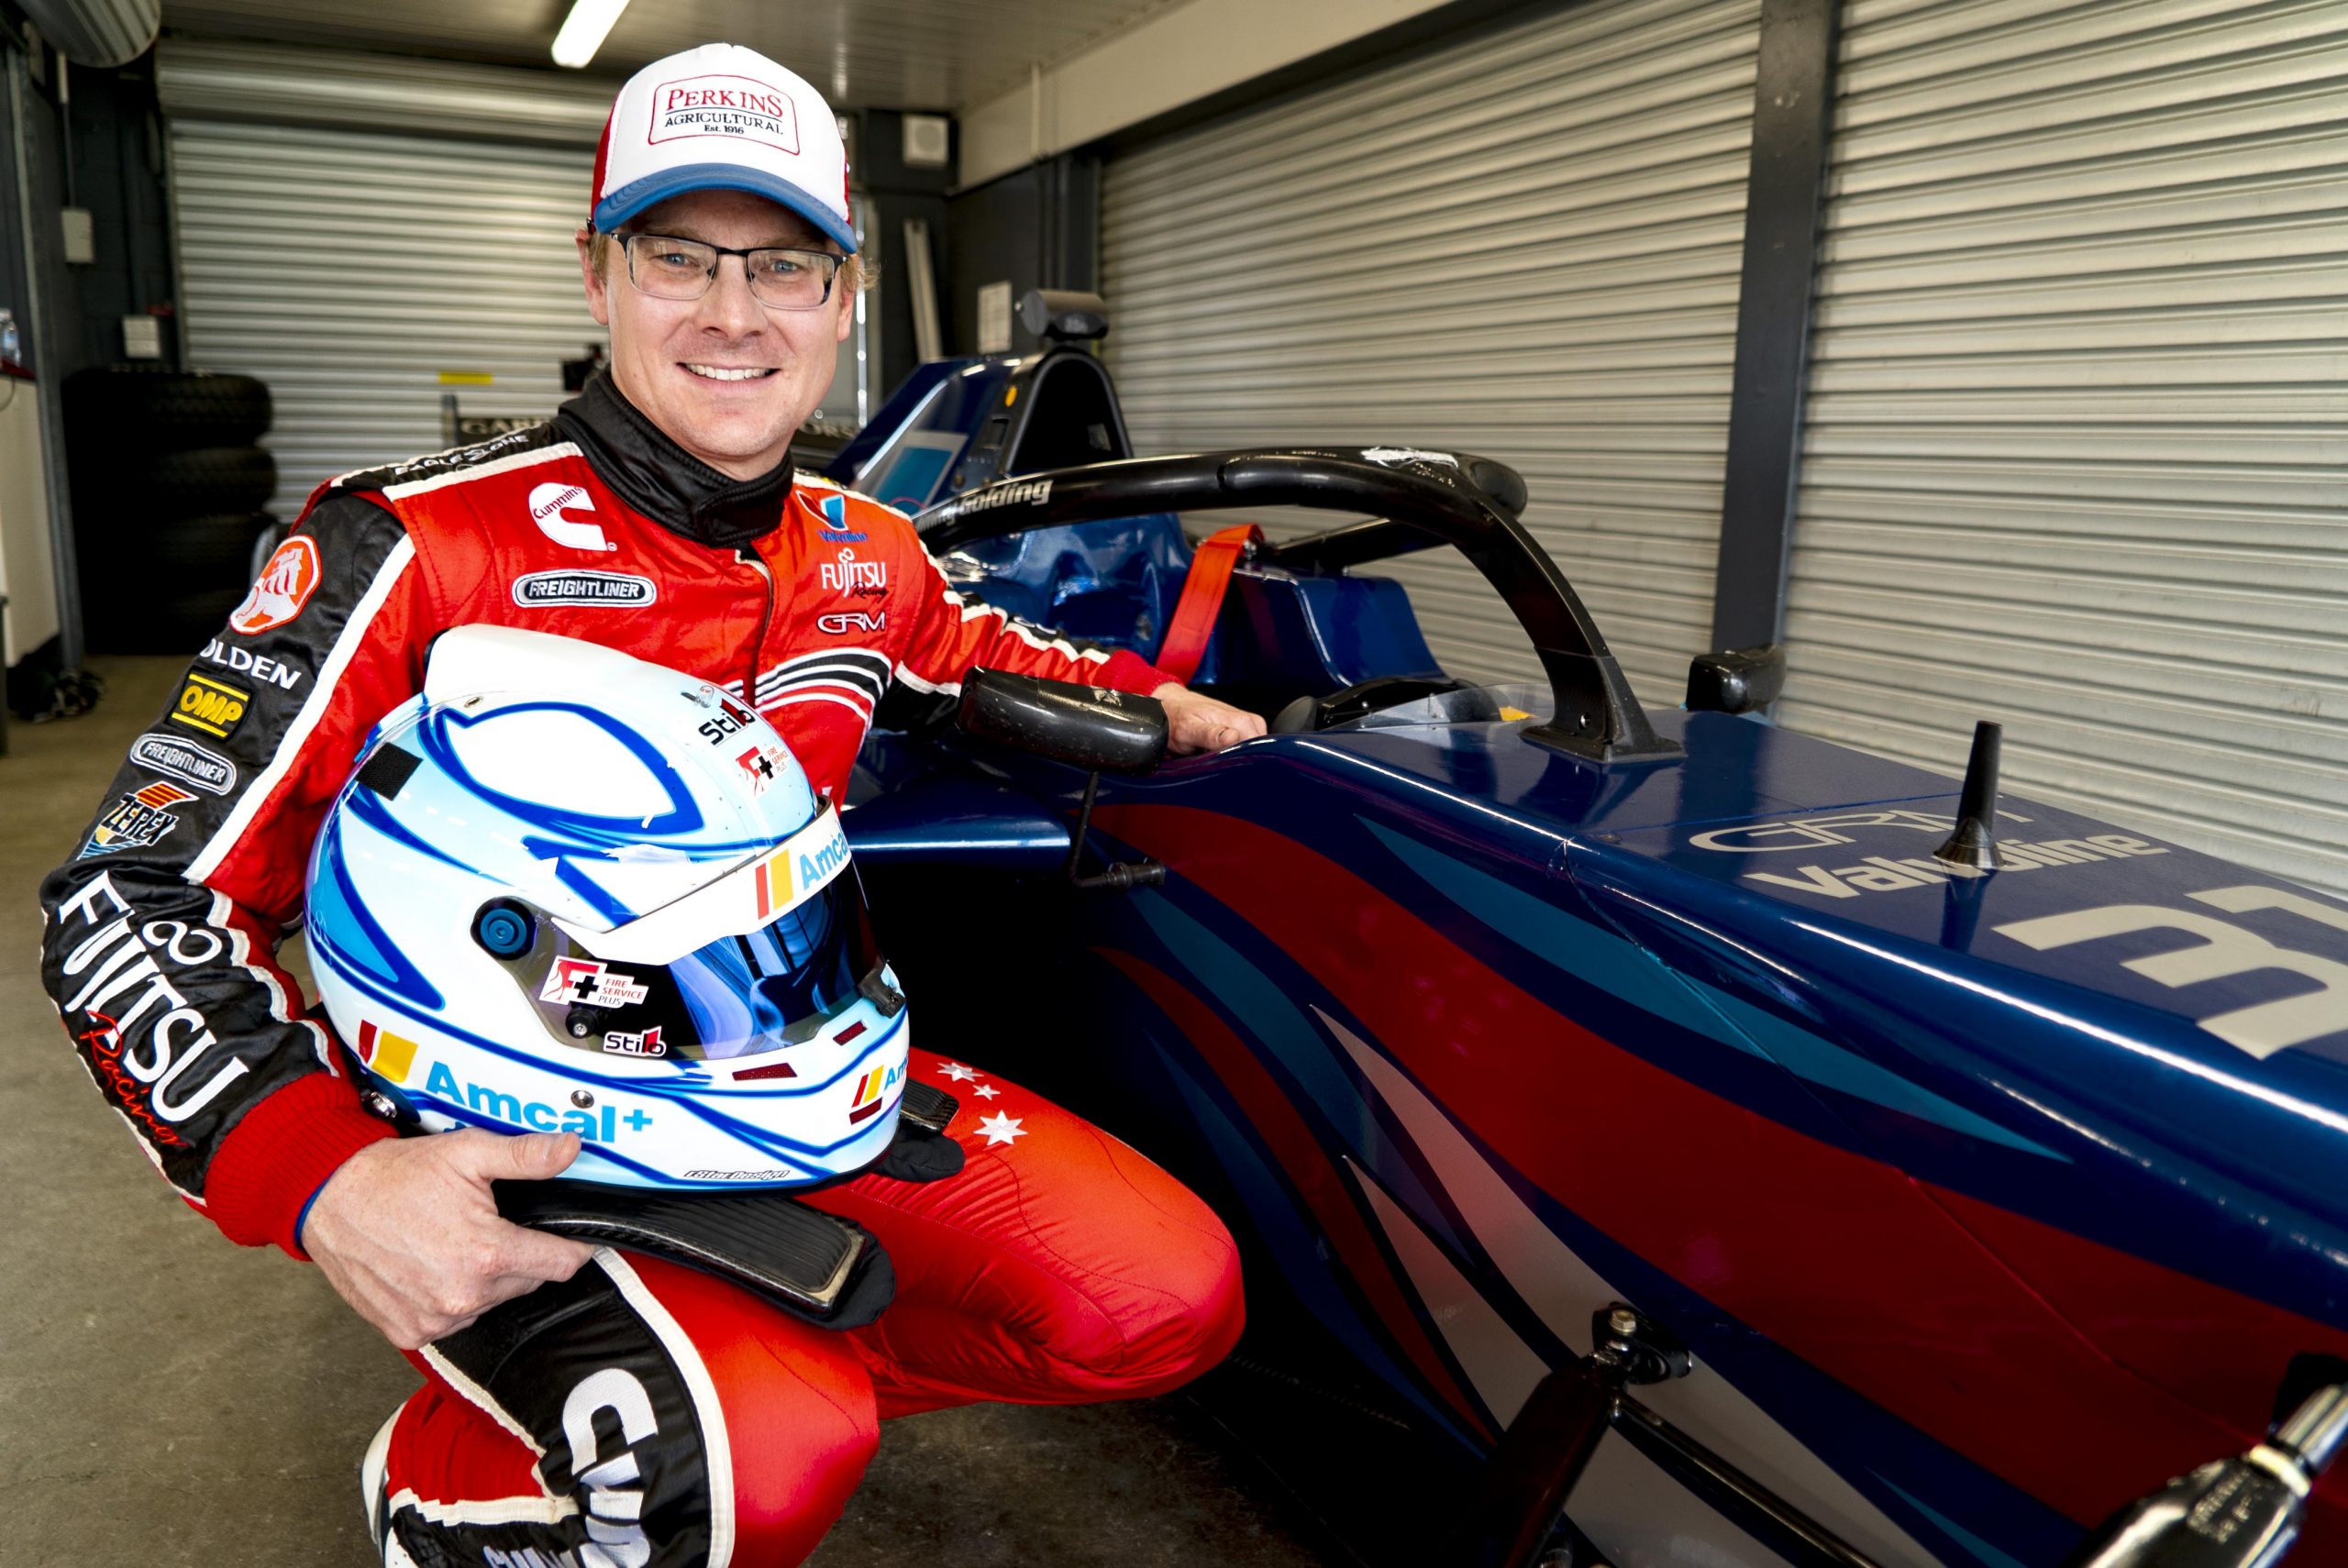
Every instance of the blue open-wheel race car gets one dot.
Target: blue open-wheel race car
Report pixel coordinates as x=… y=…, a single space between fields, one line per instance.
x=1669 y=1138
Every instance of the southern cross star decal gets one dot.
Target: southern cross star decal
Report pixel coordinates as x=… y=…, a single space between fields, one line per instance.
x=957 y=1071
x=1001 y=1129
x=986 y=1091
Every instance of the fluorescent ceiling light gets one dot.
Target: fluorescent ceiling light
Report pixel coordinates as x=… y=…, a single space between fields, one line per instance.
x=583 y=31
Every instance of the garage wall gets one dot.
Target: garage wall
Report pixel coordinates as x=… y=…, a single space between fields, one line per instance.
x=2078 y=450
x=352 y=229
x=1525 y=244
x=352 y=271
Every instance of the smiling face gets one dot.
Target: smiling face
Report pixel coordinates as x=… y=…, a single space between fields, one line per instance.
x=682 y=363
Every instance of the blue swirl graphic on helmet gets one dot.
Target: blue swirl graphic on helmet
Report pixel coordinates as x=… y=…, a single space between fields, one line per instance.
x=593 y=833
x=341 y=927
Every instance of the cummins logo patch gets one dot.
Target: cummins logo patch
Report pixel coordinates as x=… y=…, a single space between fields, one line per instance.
x=541 y=588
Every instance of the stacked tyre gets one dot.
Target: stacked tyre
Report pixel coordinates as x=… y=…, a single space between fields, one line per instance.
x=168 y=491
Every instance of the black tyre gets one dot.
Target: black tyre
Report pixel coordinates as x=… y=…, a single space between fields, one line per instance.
x=265 y=546
x=185 y=555
x=132 y=620
x=137 y=489
x=132 y=406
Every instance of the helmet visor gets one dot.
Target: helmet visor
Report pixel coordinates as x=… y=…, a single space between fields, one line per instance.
x=736 y=996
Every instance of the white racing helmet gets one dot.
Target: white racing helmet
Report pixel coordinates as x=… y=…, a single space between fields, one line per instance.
x=567 y=890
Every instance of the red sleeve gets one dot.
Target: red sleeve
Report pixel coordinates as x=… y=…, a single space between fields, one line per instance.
x=160 y=933
x=953 y=632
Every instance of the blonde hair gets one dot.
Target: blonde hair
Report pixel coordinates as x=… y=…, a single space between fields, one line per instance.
x=856 y=274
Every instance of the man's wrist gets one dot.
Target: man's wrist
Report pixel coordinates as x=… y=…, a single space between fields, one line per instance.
x=279 y=1154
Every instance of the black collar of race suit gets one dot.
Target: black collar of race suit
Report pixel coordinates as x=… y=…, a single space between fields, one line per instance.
x=664 y=481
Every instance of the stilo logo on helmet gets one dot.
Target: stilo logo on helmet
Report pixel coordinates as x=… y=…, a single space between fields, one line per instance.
x=651 y=945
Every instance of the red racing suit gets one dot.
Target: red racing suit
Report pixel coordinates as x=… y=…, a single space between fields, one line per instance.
x=1096 y=1277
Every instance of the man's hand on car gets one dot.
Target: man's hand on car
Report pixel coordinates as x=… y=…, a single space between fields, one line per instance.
x=408 y=1232
x=1194 y=723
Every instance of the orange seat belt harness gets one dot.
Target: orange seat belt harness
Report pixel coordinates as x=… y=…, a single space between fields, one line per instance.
x=1194 y=614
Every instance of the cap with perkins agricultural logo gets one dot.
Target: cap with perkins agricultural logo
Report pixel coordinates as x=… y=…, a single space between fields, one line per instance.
x=722 y=117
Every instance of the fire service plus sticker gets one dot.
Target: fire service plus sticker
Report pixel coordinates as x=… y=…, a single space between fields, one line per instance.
x=588 y=980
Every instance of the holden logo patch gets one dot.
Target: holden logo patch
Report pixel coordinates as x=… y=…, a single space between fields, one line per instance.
x=548 y=506
x=286 y=585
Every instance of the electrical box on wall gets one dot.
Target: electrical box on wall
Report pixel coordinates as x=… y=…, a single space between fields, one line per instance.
x=994 y=318
x=80 y=234
x=929 y=141
x=142 y=338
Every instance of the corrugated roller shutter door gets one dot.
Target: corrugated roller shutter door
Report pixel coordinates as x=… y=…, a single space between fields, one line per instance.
x=1525 y=246
x=350 y=269
x=2077 y=450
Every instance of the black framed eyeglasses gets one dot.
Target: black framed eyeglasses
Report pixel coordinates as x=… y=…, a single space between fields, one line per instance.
x=780 y=277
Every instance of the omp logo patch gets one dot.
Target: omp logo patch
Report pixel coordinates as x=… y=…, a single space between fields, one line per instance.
x=286 y=585
x=591 y=588
x=723 y=106
x=212 y=706
x=185 y=761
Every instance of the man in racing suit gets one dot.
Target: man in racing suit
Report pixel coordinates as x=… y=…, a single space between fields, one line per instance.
x=609 y=1407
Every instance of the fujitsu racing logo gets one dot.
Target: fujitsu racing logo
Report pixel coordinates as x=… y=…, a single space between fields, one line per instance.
x=846 y=574
x=144 y=1075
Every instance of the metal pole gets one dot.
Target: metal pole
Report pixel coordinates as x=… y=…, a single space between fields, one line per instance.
x=1794 y=95
x=46 y=356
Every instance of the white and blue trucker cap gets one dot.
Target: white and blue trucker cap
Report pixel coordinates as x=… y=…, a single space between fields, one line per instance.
x=722 y=117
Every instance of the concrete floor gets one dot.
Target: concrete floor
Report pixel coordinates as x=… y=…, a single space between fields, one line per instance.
x=167 y=1397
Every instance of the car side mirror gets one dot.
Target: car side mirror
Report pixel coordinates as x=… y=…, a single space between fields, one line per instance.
x=1090 y=727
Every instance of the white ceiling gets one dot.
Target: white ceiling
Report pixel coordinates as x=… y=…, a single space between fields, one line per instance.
x=935 y=54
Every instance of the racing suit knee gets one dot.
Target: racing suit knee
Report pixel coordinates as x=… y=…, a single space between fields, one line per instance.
x=681 y=1423
x=1060 y=1267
